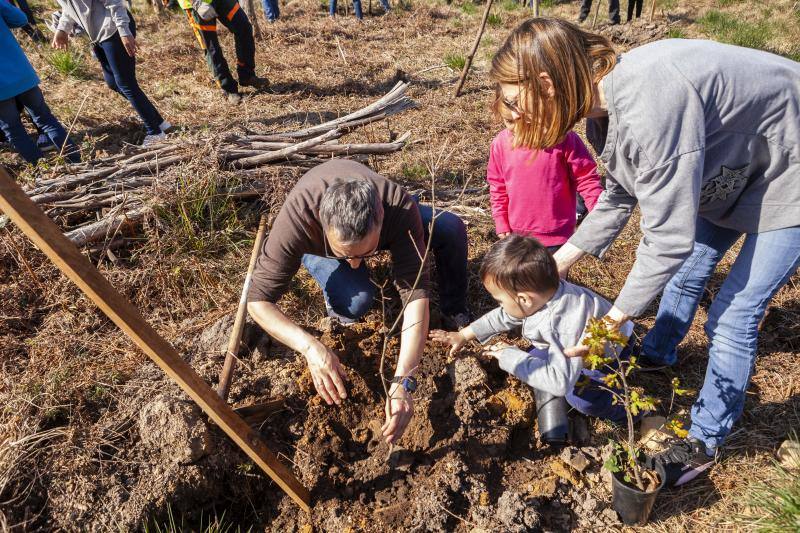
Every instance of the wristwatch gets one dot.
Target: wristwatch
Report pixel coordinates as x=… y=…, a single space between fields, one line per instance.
x=409 y=383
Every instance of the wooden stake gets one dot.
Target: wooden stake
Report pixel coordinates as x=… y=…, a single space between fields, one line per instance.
x=250 y=11
x=471 y=55
x=652 y=10
x=48 y=238
x=241 y=313
x=535 y=8
x=596 y=11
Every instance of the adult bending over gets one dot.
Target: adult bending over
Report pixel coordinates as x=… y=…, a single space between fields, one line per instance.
x=691 y=131
x=338 y=214
x=112 y=30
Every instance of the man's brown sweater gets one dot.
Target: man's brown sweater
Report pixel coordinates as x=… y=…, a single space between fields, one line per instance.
x=297 y=230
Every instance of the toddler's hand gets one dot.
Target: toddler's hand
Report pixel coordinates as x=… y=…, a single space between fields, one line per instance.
x=495 y=349
x=503 y=235
x=454 y=338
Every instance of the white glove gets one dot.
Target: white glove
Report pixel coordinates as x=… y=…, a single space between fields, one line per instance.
x=205 y=11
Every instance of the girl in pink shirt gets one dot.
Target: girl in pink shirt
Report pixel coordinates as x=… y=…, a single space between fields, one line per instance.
x=534 y=193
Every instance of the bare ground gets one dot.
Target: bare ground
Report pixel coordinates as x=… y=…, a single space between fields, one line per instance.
x=93 y=436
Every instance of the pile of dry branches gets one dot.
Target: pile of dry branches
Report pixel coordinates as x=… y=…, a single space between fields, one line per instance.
x=98 y=199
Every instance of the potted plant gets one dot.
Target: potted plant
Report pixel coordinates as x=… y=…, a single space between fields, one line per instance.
x=634 y=486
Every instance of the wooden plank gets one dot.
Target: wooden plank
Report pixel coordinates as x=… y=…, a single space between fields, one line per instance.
x=50 y=240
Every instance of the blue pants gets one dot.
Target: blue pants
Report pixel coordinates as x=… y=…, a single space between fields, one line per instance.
x=588 y=396
x=119 y=71
x=356 y=7
x=272 y=9
x=764 y=265
x=33 y=102
x=350 y=294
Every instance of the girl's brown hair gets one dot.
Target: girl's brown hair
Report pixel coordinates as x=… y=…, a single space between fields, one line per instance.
x=574 y=59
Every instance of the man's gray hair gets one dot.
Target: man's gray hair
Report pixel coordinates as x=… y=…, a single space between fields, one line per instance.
x=351 y=208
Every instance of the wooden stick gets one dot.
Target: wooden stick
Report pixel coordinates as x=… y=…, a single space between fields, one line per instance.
x=224 y=387
x=48 y=238
x=596 y=11
x=652 y=10
x=471 y=55
x=250 y=162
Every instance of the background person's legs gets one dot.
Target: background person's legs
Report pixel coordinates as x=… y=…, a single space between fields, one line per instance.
x=349 y=293
x=234 y=18
x=272 y=9
x=12 y=127
x=212 y=48
x=40 y=114
x=115 y=60
x=764 y=265
x=683 y=292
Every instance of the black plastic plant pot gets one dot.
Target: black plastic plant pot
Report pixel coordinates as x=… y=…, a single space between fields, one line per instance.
x=551 y=413
x=631 y=504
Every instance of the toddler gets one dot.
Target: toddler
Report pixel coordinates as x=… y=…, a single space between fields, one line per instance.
x=521 y=276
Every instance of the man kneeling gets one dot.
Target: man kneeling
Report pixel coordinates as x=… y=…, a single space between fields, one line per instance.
x=338 y=214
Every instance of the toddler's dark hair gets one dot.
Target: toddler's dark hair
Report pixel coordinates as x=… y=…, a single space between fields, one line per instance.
x=519 y=263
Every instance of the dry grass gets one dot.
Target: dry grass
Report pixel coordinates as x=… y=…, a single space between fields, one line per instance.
x=63 y=363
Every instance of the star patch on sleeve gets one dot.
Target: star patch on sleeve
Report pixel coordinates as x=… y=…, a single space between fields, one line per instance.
x=718 y=188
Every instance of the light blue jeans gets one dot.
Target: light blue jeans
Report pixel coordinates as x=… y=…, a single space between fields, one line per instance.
x=765 y=263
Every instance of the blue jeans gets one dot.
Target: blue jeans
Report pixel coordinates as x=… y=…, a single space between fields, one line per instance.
x=350 y=294
x=33 y=102
x=272 y=10
x=356 y=7
x=119 y=71
x=764 y=265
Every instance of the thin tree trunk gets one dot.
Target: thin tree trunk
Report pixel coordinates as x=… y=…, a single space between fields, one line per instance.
x=471 y=56
x=250 y=11
x=596 y=11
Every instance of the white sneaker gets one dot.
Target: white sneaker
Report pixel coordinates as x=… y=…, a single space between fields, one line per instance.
x=152 y=139
x=165 y=126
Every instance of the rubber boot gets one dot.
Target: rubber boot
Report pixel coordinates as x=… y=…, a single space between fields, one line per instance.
x=551 y=412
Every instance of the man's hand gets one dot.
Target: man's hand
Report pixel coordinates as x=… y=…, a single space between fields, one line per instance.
x=60 y=40
x=566 y=256
x=129 y=42
x=399 y=410
x=455 y=339
x=326 y=373
x=495 y=349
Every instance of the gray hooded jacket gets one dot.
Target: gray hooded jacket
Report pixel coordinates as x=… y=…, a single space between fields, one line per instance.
x=695 y=128
x=100 y=18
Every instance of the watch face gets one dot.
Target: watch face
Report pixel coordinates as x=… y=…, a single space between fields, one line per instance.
x=410 y=384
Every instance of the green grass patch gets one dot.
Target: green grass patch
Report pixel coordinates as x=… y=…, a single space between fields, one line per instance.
x=728 y=29
x=455 y=61
x=68 y=63
x=415 y=172
x=494 y=20
x=775 y=503
x=676 y=33
x=468 y=8
x=510 y=5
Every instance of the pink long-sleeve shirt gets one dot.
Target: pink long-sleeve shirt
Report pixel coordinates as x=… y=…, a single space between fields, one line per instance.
x=534 y=193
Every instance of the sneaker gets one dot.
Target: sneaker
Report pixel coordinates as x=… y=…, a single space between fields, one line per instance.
x=152 y=139
x=44 y=144
x=456 y=322
x=684 y=460
x=233 y=98
x=582 y=18
x=255 y=82
x=165 y=127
